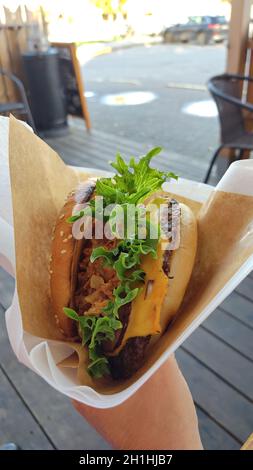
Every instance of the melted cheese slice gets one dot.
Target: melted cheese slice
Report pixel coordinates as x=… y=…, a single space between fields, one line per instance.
x=146 y=307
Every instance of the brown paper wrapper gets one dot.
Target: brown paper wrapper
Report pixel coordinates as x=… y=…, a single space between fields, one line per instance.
x=40 y=182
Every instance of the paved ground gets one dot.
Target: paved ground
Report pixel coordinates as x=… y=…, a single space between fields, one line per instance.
x=163 y=70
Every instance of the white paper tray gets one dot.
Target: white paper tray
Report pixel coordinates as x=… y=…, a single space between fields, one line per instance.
x=42 y=356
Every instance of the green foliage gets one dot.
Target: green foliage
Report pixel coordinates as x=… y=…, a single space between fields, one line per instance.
x=107 y=6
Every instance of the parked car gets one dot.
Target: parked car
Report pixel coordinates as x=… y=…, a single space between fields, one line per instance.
x=200 y=29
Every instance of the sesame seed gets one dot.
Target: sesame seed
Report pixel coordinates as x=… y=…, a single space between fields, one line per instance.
x=57 y=321
x=70 y=236
x=65 y=240
x=61 y=233
x=63 y=251
x=62 y=331
x=50 y=271
x=61 y=216
x=52 y=238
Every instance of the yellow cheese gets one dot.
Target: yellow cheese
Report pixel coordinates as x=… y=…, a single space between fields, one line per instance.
x=146 y=308
x=145 y=313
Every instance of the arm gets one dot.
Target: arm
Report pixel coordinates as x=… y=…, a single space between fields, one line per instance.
x=160 y=415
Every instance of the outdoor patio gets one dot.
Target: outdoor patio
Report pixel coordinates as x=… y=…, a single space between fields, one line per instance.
x=216 y=360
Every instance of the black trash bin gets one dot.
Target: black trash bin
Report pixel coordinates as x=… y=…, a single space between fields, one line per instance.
x=46 y=92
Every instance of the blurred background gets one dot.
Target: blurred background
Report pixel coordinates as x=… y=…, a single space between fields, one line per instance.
x=140 y=58
x=93 y=77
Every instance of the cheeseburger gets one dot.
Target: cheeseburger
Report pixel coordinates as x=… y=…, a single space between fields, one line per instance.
x=118 y=294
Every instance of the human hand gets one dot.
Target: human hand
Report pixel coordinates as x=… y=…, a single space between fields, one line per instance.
x=160 y=415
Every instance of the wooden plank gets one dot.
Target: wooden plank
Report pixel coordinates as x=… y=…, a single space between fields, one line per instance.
x=249 y=96
x=84 y=148
x=231 y=331
x=14 y=41
x=2 y=84
x=133 y=146
x=49 y=400
x=86 y=151
x=93 y=158
x=69 y=50
x=115 y=144
x=165 y=160
x=237 y=49
x=17 y=424
x=3 y=97
x=239 y=307
x=140 y=148
x=74 y=155
x=22 y=34
x=8 y=90
x=96 y=141
x=207 y=430
x=220 y=401
x=246 y=288
x=7 y=285
x=80 y=81
x=55 y=413
x=213 y=436
x=64 y=426
x=76 y=158
x=238 y=36
x=85 y=142
x=222 y=360
x=22 y=44
x=97 y=152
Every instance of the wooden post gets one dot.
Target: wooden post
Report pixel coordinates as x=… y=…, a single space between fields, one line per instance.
x=13 y=41
x=238 y=35
x=237 y=51
x=236 y=59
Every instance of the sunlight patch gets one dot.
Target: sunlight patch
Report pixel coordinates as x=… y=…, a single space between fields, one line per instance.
x=89 y=94
x=129 y=98
x=206 y=108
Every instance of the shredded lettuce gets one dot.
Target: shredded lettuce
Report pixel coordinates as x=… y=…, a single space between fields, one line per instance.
x=134 y=181
x=94 y=331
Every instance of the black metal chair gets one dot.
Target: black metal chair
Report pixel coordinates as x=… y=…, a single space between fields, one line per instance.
x=226 y=90
x=19 y=107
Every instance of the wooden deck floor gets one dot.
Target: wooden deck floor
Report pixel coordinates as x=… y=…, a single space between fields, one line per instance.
x=80 y=148
x=217 y=360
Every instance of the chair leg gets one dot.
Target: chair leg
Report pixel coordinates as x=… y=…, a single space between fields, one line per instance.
x=212 y=163
x=240 y=156
x=29 y=115
x=26 y=105
x=30 y=119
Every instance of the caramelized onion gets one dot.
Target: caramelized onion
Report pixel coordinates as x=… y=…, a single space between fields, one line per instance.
x=149 y=288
